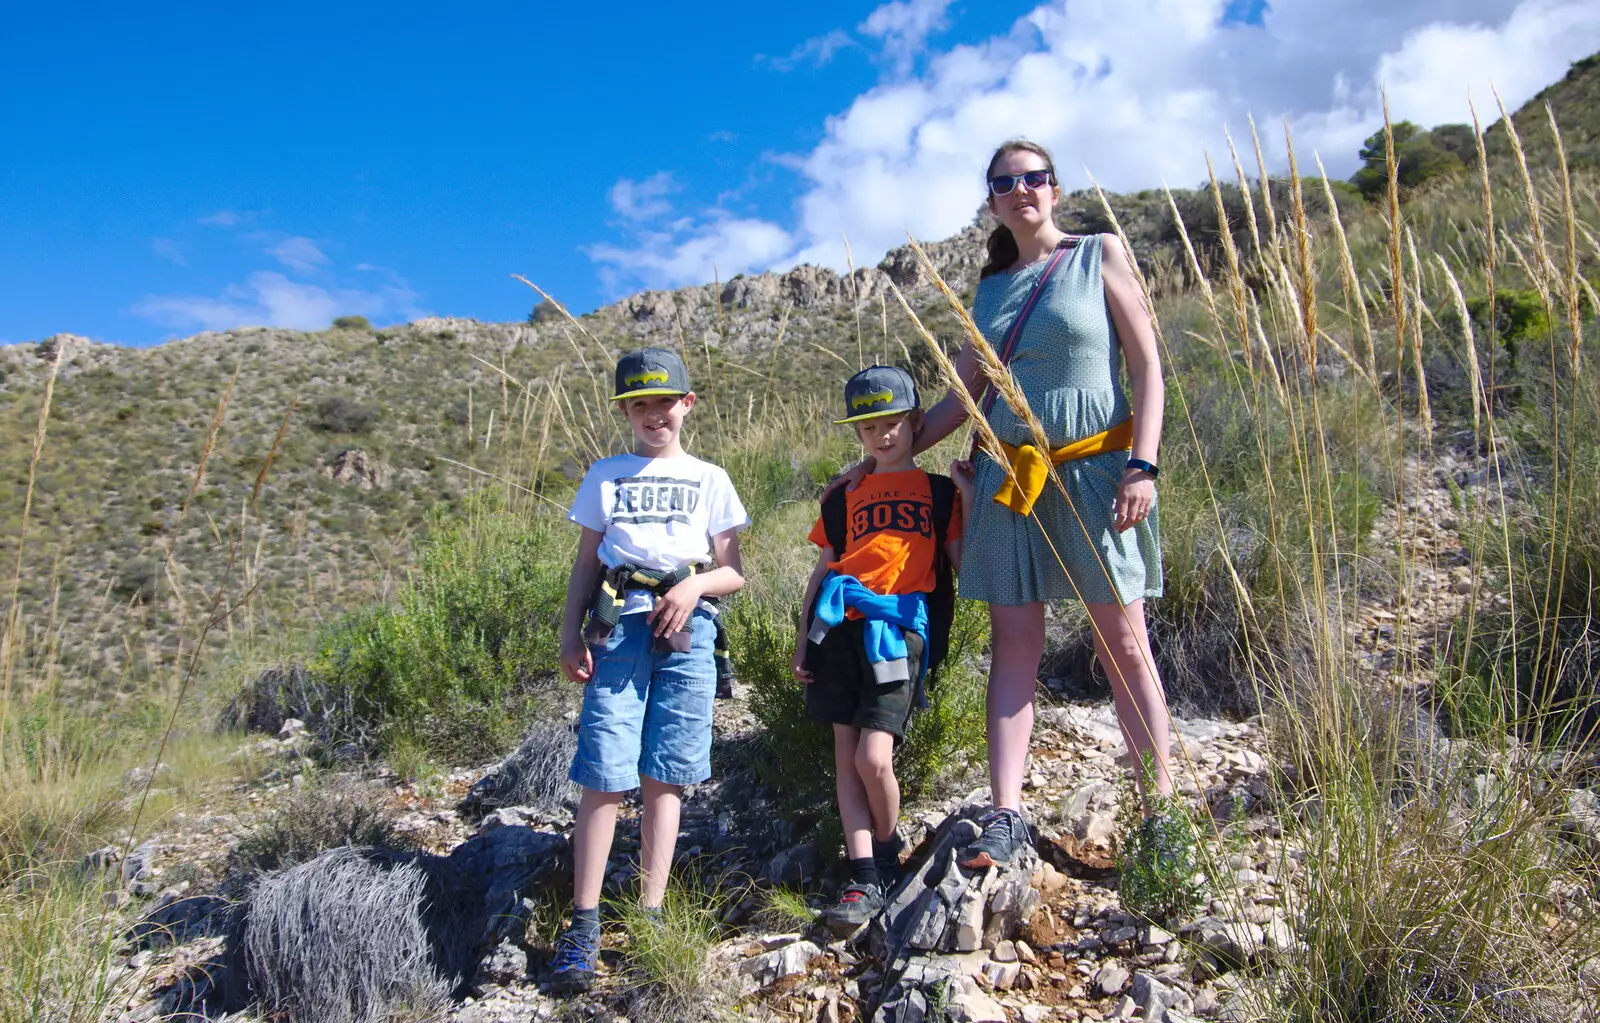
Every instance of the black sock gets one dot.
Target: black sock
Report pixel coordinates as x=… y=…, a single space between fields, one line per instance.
x=886 y=856
x=864 y=871
x=586 y=921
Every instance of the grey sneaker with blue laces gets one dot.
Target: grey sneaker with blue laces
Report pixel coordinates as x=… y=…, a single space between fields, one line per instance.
x=1004 y=831
x=572 y=965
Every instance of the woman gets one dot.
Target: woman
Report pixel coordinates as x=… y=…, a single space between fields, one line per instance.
x=1089 y=318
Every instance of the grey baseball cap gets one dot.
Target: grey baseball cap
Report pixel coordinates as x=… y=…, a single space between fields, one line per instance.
x=650 y=371
x=878 y=391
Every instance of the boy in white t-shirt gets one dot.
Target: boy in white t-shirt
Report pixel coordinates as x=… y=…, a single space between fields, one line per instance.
x=652 y=521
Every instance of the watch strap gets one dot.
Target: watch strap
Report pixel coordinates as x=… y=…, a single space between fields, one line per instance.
x=1143 y=466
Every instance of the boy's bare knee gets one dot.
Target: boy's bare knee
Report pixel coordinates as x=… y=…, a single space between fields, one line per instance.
x=654 y=786
x=875 y=763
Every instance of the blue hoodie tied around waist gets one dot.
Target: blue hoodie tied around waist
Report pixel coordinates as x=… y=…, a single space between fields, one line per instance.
x=885 y=617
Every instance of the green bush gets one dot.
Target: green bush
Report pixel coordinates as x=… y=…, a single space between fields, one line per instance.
x=351 y=323
x=140 y=577
x=1518 y=316
x=797 y=759
x=1158 y=859
x=339 y=414
x=1532 y=664
x=470 y=647
x=1420 y=156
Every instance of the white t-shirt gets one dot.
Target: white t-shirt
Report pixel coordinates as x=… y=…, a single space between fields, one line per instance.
x=658 y=513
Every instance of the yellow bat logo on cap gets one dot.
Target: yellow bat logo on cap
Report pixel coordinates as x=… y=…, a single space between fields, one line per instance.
x=862 y=401
x=657 y=376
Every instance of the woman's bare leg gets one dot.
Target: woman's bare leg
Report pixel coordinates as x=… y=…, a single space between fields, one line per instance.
x=1017 y=642
x=1123 y=646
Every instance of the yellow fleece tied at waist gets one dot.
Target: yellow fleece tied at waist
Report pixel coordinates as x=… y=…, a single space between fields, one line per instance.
x=1032 y=471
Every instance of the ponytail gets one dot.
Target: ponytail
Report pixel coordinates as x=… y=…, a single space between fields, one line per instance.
x=1002 y=251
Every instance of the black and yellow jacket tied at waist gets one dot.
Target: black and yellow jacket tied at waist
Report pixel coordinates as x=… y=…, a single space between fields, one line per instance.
x=605 y=611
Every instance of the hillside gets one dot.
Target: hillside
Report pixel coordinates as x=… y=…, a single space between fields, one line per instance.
x=386 y=423
x=1377 y=632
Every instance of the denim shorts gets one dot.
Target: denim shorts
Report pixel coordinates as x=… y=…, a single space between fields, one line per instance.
x=646 y=712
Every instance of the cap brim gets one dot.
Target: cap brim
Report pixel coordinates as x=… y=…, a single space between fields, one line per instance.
x=875 y=415
x=647 y=392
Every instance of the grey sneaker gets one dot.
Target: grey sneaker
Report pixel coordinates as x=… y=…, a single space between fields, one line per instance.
x=1004 y=831
x=857 y=904
x=572 y=965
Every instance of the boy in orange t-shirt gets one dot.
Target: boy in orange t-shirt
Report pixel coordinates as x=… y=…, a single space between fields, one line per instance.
x=864 y=640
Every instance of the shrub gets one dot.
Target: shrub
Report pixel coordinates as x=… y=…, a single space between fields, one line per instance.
x=468 y=650
x=1518 y=316
x=346 y=938
x=313 y=821
x=797 y=759
x=667 y=952
x=535 y=775
x=1419 y=157
x=339 y=414
x=139 y=577
x=1157 y=860
x=351 y=323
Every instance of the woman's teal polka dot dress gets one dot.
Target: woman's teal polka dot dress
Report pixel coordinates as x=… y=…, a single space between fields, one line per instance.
x=1069 y=365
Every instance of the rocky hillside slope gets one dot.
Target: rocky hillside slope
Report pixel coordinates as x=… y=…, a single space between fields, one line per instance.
x=389 y=425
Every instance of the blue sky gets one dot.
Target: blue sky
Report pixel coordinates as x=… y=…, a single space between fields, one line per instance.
x=183 y=166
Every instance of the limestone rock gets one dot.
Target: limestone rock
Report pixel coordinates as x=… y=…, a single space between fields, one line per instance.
x=506 y=964
x=355 y=466
x=1154 y=998
x=1110 y=979
x=973 y=1006
x=770 y=967
x=1233 y=942
x=176 y=921
x=792 y=866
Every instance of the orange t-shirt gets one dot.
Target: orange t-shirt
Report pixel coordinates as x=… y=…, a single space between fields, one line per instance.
x=889 y=531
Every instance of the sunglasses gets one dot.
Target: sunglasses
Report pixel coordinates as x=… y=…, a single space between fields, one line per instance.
x=1005 y=184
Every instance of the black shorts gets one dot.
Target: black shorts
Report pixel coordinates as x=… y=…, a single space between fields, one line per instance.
x=844 y=691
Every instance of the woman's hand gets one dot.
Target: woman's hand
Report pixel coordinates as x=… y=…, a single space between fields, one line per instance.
x=674 y=607
x=577 y=663
x=851 y=478
x=1136 y=495
x=798 y=662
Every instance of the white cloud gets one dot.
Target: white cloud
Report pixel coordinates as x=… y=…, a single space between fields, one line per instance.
x=903 y=27
x=222 y=218
x=268 y=298
x=298 y=253
x=169 y=250
x=689 y=251
x=644 y=200
x=816 y=51
x=1136 y=91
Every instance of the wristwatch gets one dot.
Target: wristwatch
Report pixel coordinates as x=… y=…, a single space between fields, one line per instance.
x=1143 y=466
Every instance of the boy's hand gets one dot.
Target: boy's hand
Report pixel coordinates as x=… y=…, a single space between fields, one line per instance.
x=963 y=475
x=673 y=609
x=577 y=663
x=798 y=663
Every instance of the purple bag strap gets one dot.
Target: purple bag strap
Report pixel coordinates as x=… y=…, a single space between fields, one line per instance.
x=1008 y=347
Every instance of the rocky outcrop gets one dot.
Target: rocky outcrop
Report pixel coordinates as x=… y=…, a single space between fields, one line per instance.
x=355 y=466
x=946 y=926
